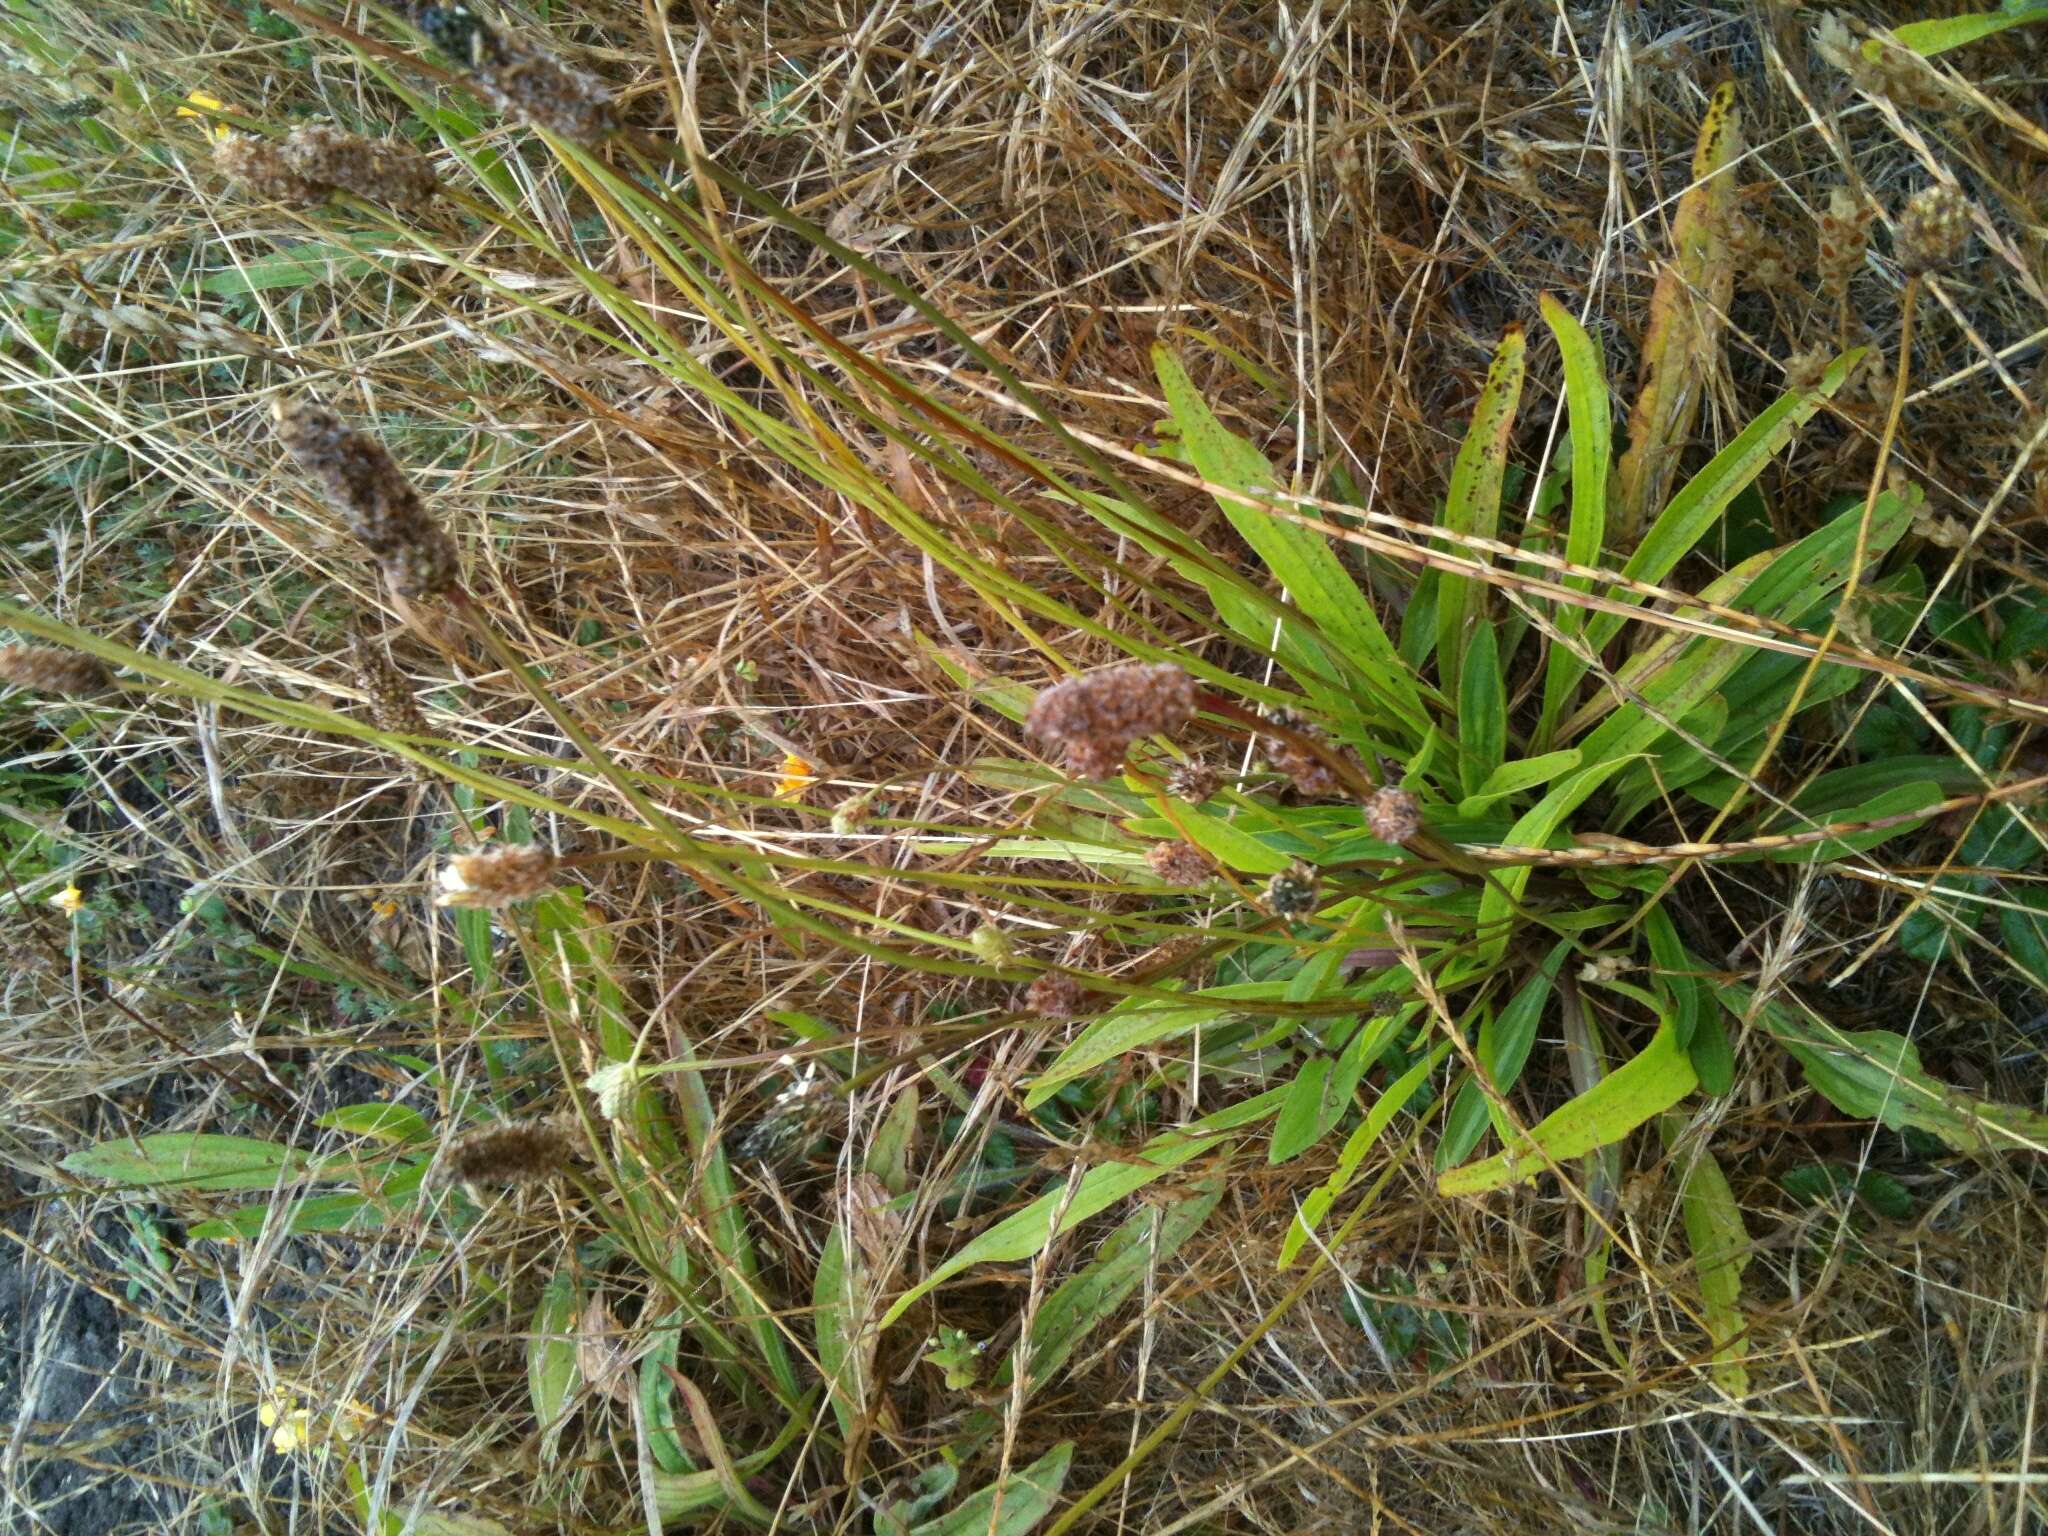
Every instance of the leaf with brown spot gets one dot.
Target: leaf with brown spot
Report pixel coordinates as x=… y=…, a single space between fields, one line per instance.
x=1687 y=308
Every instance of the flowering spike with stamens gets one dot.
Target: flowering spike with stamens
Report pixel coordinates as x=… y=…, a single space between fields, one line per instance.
x=496 y=877
x=1292 y=755
x=508 y=1153
x=1193 y=781
x=1393 y=815
x=261 y=168
x=382 y=510
x=1098 y=715
x=1295 y=891
x=1179 y=863
x=390 y=175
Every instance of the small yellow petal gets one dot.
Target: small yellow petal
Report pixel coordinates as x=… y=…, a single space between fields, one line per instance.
x=797 y=776
x=211 y=104
x=266 y=1415
x=69 y=900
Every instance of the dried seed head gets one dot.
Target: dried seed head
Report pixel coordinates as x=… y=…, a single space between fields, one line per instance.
x=318 y=159
x=1294 y=891
x=1193 y=781
x=1896 y=74
x=1806 y=368
x=375 y=170
x=1056 y=997
x=381 y=508
x=508 y=1153
x=521 y=80
x=46 y=669
x=1393 y=815
x=261 y=168
x=1933 y=229
x=1305 y=769
x=1179 y=863
x=1844 y=228
x=495 y=878
x=1098 y=715
x=392 y=705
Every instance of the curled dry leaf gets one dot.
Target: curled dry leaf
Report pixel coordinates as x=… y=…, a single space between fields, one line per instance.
x=878 y=1232
x=602 y=1355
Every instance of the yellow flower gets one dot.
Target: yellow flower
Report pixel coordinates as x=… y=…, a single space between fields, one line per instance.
x=797 y=776
x=211 y=104
x=290 y=1426
x=70 y=900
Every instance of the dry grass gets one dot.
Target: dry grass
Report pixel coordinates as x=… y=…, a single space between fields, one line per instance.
x=1354 y=201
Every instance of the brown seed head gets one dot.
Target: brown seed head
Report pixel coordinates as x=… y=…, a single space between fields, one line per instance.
x=46 y=669
x=524 y=82
x=1056 y=997
x=392 y=705
x=1193 y=781
x=1179 y=863
x=1393 y=815
x=375 y=170
x=318 y=159
x=1305 y=769
x=1097 y=716
x=425 y=567
x=1934 y=227
x=510 y=1152
x=381 y=508
x=261 y=168
x=495 y=878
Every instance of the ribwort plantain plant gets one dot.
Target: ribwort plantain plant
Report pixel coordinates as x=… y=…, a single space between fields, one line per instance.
x=1325 y=837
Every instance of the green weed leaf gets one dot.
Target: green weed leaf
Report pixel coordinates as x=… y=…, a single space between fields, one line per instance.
x=1720 y=1252
x=1875 y=1074
x=1085 y=1300
x=191 y=1160
x=1645 y=1086
x=1391 y=1102
x=1026 y=1234
x=1937 y=36
x=1012 y=1507
x=551 y=1373
x=1300 y=558
x=1472 y=505
x=387 y=1122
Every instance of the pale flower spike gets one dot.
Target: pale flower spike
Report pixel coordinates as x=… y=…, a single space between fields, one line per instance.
x=495 y=878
